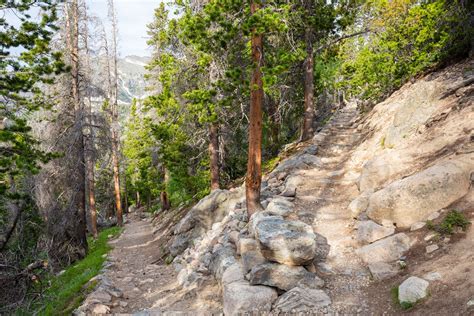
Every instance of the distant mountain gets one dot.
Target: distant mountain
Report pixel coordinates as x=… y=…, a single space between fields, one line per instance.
x=131 y=71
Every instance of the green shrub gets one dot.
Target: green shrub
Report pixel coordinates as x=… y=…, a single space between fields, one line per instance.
x=452 y=220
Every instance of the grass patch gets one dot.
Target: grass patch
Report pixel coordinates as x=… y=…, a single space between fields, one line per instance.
x=67 y=290
x=269 y=165
x=453 y=219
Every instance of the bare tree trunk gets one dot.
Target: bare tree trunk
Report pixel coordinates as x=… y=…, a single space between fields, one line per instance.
x=80 y=221
x=214 y=155
x=14 y=210
x=307 y=131
x=165 y=202
x=254 y=166
x=115 y=129
x=89 y=141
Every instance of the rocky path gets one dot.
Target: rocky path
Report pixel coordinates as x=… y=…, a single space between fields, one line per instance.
x=322 y=200
x=135 y=281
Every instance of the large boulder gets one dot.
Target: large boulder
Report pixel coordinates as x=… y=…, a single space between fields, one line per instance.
x=283 y=277
x=287 y=242
x=302 y=161
x=412 y=290
x=360 y=204
x=413 y=199
x=302 y=299
x=385 y=250
x=368 y=232
x=241 y=298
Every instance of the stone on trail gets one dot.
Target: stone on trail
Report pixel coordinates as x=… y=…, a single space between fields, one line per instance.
x=412 y=290
x=287 y=242
x=369 y=231
x=322 y=248
x=241 y=298
x=415 y=198
x=302 y=299
x=417 y=225
x=283 y=277
x=382 y=270
x=360 y=203
x=100 y=309
x=385 y=250
x=431 y=248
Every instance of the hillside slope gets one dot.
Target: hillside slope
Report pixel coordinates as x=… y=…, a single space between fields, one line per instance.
x=349 y=217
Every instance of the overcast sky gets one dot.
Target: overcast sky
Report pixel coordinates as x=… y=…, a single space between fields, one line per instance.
x=133 y=17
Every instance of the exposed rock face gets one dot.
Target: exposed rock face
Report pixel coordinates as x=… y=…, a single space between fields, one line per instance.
x=414 y=198
x=302 y=161
x=368 y=232
x=283 y=277
x=301 y=299
x=241 y=297
x=287 y=242
x=412 y=290
x=385 y=250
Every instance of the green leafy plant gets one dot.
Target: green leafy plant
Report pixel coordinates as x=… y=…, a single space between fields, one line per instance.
x=452 y=220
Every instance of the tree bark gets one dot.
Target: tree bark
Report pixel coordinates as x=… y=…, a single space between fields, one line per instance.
x=254 y=165
x=80 y=220
x=115 y=130
x=307 y=131
x=165 y=202
x=214 y=155
x=89 y=142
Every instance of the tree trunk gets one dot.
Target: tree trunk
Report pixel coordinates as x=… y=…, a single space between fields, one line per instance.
x=214 y=155
x=165 y=202
x=115 y=129
x=307 y=131
x=80 y=216
x=254 y=165
x=89 y=141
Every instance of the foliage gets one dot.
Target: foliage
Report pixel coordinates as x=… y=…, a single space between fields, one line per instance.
x=452 y=220
x=407 y=37
x=27 y=63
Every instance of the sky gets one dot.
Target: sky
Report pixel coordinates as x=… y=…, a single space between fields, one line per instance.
x=133 y=17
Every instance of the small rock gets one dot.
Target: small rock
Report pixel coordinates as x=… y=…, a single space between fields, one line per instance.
x=279 y=206
x=431 y=236
x=417 y=225
x=123 y=304
x=433 y=216
x=100 y=309
x=360 y=204
x=369 y=231
x=289 y=192
x=283 y=277
x=431 y=248
x=101 y=296
x=470 y=302
x=382 y=270
x=412 y=290
x=432 y=276
x=233 y=274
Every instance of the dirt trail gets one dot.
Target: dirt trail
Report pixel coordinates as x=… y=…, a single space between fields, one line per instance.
x=323 y=200
x=145 y=286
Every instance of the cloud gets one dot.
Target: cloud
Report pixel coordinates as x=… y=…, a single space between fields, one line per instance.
x=133 y=17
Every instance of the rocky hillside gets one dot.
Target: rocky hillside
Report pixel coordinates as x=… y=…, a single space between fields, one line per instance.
x=370 y=217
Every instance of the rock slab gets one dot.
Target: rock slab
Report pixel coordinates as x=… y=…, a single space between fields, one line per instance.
x=385 y=250
x=369 y=231
x=240 y=298
x=283 y=277
x=301 y=299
